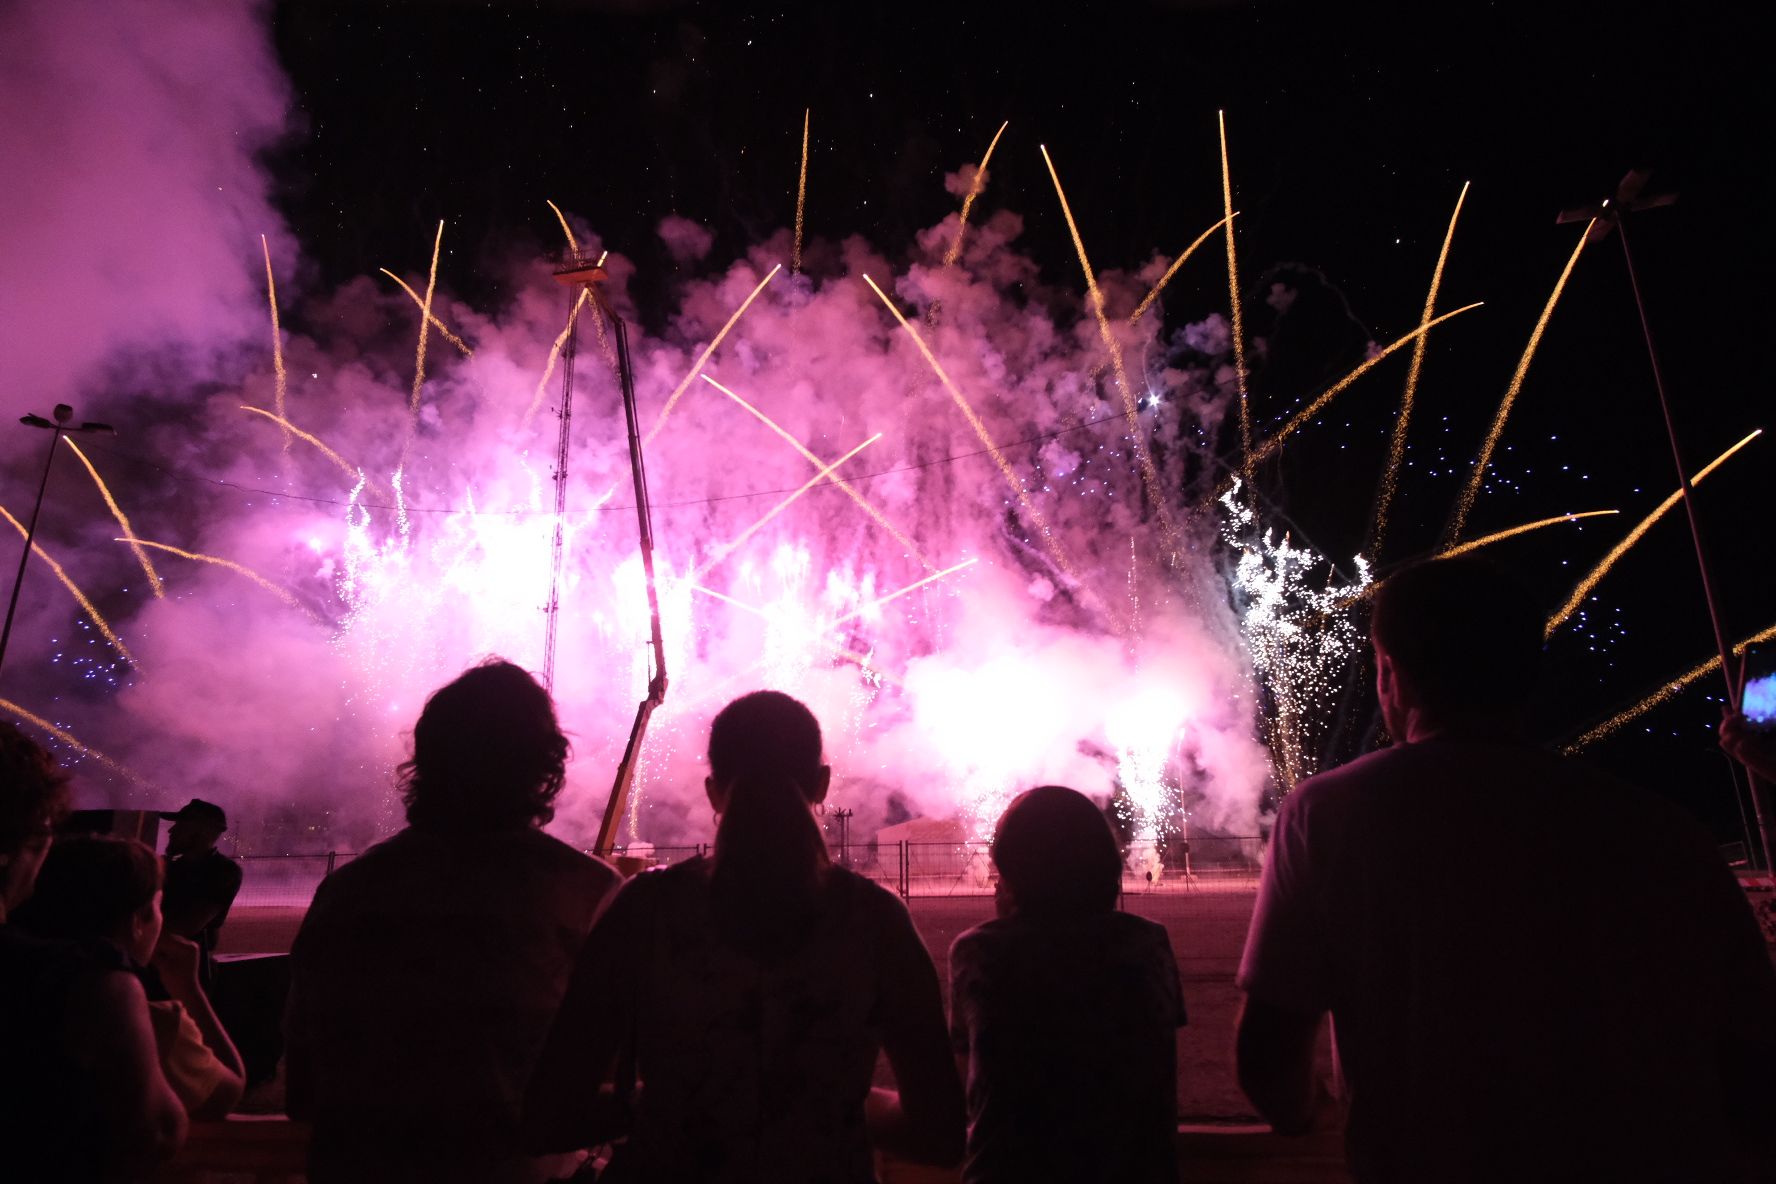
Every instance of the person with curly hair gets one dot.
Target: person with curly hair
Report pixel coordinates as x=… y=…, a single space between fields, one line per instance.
x=82 y=1095
x=428 y=969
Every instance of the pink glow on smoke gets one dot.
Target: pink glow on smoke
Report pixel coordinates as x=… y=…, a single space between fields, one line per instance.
x=1005 y=675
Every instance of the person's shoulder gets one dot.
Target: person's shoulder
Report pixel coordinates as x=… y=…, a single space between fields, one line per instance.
x=989 y=933
x=1406 y=768
x=26 y=957
x=1345 y=787
x=1372 y=768
x=1135 y=929
x=648 y=889
x=215 y=863
x=1634 y=811
x=372 y=859
x=566 y=859
x=861 y=892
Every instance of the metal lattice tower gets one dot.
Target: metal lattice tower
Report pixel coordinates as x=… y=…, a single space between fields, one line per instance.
x=557 y=548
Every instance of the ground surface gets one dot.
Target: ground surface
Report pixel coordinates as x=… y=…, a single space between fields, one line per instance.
x=1207 y=927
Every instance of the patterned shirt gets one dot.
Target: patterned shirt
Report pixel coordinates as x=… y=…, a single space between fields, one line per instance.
x=753 y=1069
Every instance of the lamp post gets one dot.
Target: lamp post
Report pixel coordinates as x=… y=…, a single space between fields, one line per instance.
x=61 y=427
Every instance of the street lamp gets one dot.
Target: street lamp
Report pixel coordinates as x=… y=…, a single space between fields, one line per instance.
x=61 y=427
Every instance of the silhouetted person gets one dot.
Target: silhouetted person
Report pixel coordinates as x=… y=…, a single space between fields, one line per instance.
x=201 y=882
x=427 y=969
x=752 y=992
x=1064 y=1011
x=82 y=1096
x=100 y=888
x=1534 y=971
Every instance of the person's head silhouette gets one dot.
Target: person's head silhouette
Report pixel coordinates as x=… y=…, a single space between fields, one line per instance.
x=33 y=798
x=1458 y=646
x=1056 y=855
x=765 y=777
x=487 y=754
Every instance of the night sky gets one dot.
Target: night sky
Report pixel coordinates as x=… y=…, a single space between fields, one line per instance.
x=1351 y=136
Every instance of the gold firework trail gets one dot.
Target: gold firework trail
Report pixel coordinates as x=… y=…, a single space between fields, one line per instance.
x=837 y=650
x=825 y=472
x=1397 y=441
x=307 y=437
x=68 y=738
x=572 y=244
x=1149 y=474
x=1233 y=298
x=277 y=360
x=92 y=612
x=908 y=590
x=1584 y=586
x=604 y=343
x=1469 y=492
x=1665 y=692
x=1147 y=300
x=231 y=565
x=795 y=259
x=1264 y=450
x=1513 y=532
x=425 y=325
x=974 y=190
x=440 y=326
x=154 y=581
x=980 y=430
x=536 y=400
x=703 y=358
x=843 y=484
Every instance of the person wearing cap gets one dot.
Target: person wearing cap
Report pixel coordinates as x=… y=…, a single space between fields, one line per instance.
x=201 y=882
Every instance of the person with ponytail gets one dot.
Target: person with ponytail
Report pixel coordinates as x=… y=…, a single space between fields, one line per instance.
x=742 y=999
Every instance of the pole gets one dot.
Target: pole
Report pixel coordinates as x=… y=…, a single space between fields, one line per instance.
x=1765 y=832
x=18 y=580
x=656 y=692
x=558 y=544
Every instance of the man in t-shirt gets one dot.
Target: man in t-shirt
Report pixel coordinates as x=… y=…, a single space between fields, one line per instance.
x=201 y=882
x=1534 y=971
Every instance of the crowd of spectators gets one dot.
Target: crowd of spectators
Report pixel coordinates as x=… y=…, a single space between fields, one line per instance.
x=473 y=1000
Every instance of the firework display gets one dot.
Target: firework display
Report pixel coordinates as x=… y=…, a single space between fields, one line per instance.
x=998 y=513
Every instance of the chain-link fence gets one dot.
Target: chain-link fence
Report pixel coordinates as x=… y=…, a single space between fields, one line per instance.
x=909 y=869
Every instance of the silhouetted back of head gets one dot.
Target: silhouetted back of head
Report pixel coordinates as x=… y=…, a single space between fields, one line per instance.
x=487 y=754
x=1465 y=634
x=33 y=791
x=89 y=886
x=770 y=857
x=1056 y=855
